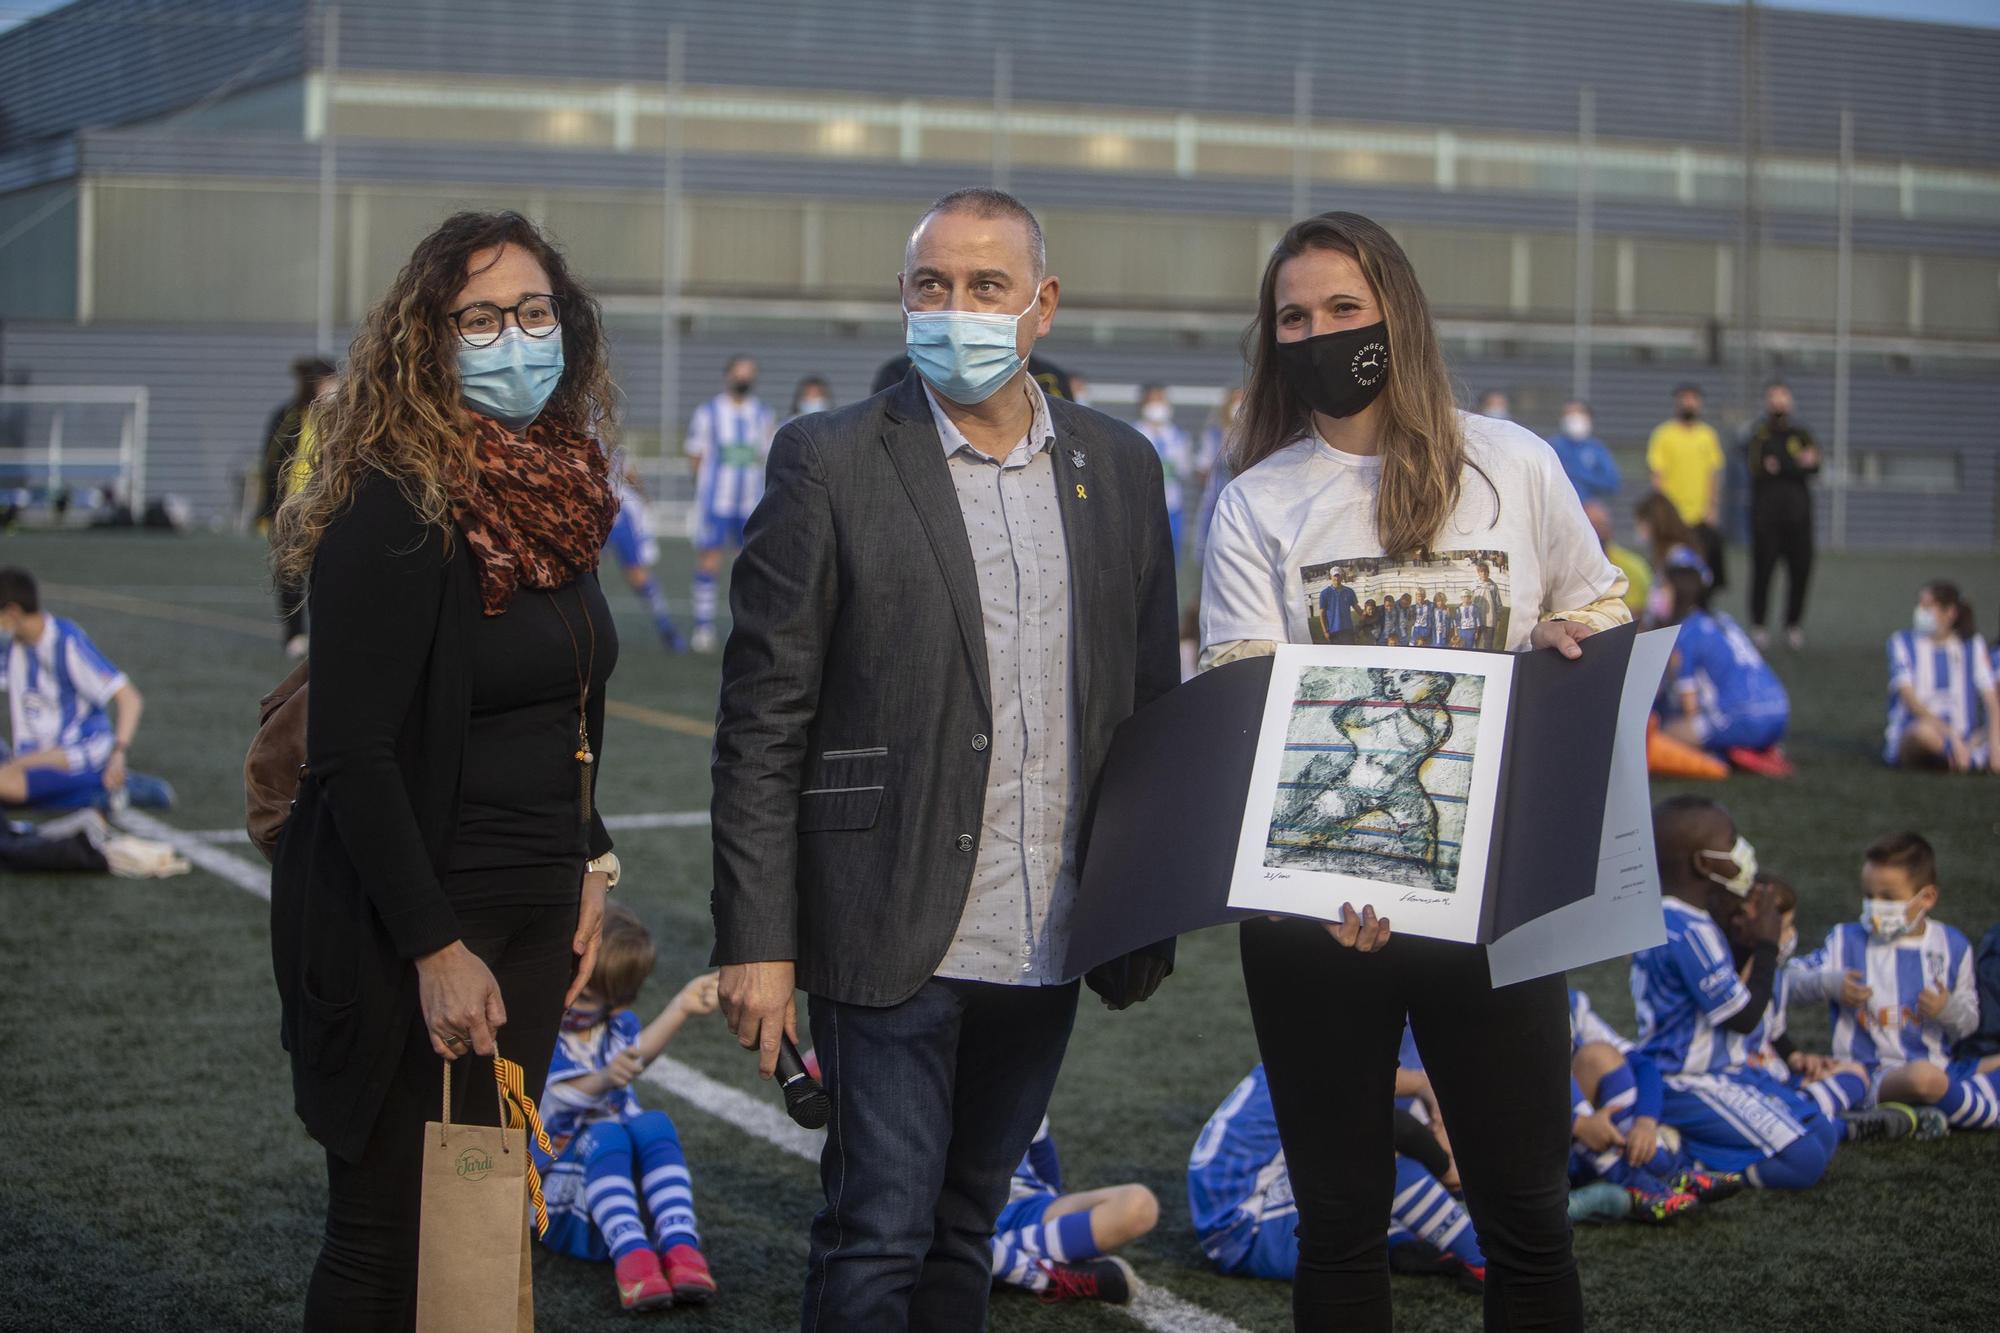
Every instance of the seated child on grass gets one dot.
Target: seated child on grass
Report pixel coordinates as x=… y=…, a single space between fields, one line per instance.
x=1699 y=1019
x=1247 y=1220
x=1617 y=1094
x=1059 y=1245
x=611 y=1151
x=1902 y=992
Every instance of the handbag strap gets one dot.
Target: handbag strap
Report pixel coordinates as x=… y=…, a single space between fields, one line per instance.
x=517 y=1110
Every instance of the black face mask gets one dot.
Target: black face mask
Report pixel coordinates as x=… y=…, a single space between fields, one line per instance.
x=1338 y=374
x=742 y=388
x=1689 y=413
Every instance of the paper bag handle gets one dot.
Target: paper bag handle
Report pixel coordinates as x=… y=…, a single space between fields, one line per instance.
x=509 y=1083
x=500 y=1100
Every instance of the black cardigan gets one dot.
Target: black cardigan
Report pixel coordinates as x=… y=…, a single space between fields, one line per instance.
x=357 y=888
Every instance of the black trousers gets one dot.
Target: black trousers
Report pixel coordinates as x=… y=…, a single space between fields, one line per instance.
x=934 y=1102
x=1780 y=538
x=1329 y=1021
x=1714 y=552
x=366 y=1278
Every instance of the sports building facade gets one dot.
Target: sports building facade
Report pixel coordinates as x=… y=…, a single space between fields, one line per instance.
x=165 y=167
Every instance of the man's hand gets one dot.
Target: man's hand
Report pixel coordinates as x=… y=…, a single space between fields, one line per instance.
x=700 y=996
x=589 y=933
x=1932 y=1001
x=757 y=1003
x=1853 y=995
x=625 y=1066
x=1771 y=464
x=1643 y=1141
x=1561 y=635
x=114 y=772
x=1596 y=1132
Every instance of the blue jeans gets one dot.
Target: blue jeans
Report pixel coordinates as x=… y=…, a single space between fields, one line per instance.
x=934 y=1102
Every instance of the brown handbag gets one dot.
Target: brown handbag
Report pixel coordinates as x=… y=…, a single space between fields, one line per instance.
x=276 y=762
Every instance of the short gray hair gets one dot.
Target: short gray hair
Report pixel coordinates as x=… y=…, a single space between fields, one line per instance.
x=986 y=202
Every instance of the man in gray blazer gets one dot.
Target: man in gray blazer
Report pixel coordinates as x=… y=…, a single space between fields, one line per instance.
x=949 y=598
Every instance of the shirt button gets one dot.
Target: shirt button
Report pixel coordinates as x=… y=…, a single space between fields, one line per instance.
x=965 y=842
x=979 y=742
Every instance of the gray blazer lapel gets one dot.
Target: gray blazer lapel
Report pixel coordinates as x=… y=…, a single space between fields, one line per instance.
x=918 y=454
x=1075 y=479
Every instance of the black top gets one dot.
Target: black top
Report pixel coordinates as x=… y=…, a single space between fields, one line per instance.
x=521 y=833
x=358 y=887
x=1778 y=472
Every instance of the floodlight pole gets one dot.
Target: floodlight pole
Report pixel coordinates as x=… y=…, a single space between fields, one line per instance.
x=670 y=278
x=1586 y=241
x=1843 y=315
x=1003 y=106
x=328 y=180
x=1302 y=92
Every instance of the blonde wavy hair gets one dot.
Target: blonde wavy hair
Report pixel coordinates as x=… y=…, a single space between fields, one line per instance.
x=1422 y=448
x=396 y=408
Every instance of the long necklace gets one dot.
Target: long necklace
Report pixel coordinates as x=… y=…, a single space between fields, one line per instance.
x=584 y=675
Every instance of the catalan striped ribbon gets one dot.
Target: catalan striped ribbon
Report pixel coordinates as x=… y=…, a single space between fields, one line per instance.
x=520 y=1109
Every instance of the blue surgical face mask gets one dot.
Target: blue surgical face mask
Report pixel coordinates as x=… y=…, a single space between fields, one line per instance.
x=511 y=378
x=964 y=354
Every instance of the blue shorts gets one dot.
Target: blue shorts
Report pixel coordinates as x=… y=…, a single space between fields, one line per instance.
x=632 y=541
x=60 y=789
x=1024 y=1212
x=565 y=1190
x=1720 y=732
x=1274 y=1253
x=1731 y=1122
x=717 y=532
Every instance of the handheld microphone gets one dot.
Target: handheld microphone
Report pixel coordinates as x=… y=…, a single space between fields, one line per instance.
x=806 y=1101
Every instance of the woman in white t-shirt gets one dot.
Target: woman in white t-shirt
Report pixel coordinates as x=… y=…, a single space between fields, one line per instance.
x=1351 y=455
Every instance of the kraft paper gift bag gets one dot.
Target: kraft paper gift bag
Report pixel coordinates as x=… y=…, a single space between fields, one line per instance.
x=474 y=1270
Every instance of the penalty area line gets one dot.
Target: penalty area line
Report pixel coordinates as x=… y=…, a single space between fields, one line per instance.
x=1153 y=1306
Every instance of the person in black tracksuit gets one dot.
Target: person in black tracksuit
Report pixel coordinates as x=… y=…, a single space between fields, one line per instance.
x=281 y=444
x=1783 y=458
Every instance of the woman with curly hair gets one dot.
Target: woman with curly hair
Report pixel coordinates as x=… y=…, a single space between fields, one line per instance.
x=443 y=872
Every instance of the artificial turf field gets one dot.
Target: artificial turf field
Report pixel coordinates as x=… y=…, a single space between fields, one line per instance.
x=155 y=1178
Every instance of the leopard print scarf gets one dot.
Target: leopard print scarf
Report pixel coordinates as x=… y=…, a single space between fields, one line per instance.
x=537 y=510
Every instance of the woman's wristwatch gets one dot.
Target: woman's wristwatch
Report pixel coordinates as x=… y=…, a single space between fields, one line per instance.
x=605 y=865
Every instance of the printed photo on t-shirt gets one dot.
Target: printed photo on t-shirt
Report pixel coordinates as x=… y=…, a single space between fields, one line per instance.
x=1441 y=599
x=1376 y=775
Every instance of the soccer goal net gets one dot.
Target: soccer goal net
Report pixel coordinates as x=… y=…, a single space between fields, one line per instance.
x=72 y=450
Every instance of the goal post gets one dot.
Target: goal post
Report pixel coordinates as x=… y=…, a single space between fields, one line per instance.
x=57 y=437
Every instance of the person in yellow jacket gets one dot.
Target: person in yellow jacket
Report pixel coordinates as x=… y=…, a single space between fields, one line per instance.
x=1685 y=459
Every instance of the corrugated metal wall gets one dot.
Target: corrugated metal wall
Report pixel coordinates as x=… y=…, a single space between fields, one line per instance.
x=110 y=62
x=211 y=393
x=1919 y=91
x=1661 y=66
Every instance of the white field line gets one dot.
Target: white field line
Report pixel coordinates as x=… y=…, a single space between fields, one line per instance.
x=1152 y=1306
x=616 y=823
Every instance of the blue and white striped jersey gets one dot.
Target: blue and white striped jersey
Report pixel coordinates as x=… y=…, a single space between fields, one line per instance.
x=1040 y=1171
x=1890 y=1031
x=58 y=695
x=1236 y=1176
x=1176 y=453
x=1715 y=660
x=565 y=1112
x=1948 y=678
x=732 y=439
x=1683 y=990
x=1587 y=1026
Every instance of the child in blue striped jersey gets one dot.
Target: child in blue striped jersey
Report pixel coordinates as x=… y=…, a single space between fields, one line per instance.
x=1055 y=1243
x=1902 y=993
x=611 y=1151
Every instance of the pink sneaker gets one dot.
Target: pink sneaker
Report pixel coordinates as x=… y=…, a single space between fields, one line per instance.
x=688 y=1272
x=641 y=1284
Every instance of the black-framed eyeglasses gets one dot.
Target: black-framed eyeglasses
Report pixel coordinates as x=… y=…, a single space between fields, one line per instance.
x=481 y=323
